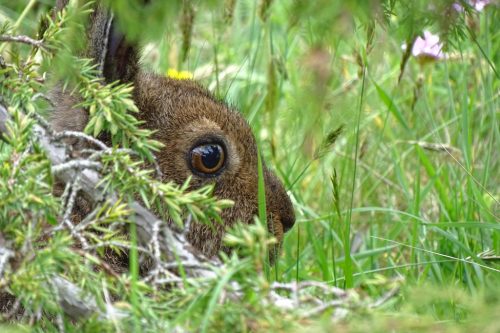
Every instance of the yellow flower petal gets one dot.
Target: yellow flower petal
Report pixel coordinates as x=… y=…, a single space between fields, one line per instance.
x=179 y=75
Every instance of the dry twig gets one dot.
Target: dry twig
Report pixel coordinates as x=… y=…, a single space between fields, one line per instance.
x=22 y=39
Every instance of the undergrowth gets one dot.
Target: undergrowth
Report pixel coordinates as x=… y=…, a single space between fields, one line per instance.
x=389 y=153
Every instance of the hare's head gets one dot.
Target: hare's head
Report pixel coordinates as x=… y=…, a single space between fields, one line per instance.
x=206 y=140
x=203 y=138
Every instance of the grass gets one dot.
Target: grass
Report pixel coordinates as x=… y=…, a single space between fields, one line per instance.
x=407 y=195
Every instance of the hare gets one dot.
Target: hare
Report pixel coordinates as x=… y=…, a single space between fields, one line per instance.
x=203 y=137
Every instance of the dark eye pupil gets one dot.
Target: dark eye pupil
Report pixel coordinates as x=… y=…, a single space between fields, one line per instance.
x=210 y=156
x=207 y=159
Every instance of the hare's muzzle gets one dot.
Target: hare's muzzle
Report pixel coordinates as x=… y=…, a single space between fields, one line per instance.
x=288 y=221
x=278 y=203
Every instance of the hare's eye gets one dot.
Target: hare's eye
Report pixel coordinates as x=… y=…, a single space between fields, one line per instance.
x=207 y=159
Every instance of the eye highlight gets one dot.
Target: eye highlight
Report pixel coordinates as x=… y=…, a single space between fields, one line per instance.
x=207 y=159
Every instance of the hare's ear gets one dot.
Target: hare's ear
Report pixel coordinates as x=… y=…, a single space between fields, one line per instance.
x=117 y=58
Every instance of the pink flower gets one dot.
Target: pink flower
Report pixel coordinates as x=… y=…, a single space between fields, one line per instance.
x=428 y=47
x=478 y=5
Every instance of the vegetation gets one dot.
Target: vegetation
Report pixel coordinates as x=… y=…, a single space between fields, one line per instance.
x=380 y=117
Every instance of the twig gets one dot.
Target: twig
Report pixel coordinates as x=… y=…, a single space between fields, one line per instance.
x=296 y=301
x=80 y=135
x=323 y=307
x=22 y=39
x=42 y=122
x=75 y=164
x=88 y=220
x=69 y=209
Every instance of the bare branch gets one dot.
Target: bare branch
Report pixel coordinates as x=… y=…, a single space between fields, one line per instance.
x=22 y=39
x=80 y=135
x=75 y=164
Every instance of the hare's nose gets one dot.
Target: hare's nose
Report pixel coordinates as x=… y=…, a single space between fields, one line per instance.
x=287 y=214
x=279 y=202
x=288 y=221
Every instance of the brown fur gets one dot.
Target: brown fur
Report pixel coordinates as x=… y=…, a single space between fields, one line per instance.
x=184 y=114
